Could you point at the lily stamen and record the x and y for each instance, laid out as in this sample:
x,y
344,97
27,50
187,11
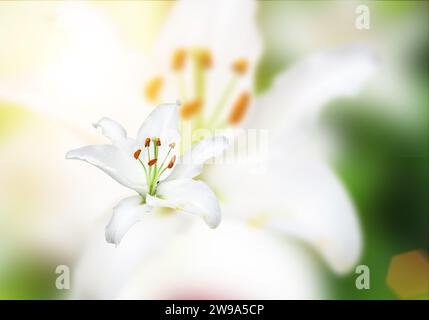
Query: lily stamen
x,y
137,154
204,57
240,66
190,108
152,162
152,88
239,108
220,105
171,163
137,157
178,59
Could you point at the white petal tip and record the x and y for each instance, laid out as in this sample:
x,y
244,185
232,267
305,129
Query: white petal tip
x,y
97,124
110,238
69,155
213,222
214,225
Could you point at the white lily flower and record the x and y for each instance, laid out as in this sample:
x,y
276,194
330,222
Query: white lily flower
x,y
307,200
216,86
148,166
234,262
212,70
210,51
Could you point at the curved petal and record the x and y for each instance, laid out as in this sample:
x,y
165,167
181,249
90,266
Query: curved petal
x,y
143,242
235,262
298,196
191,163
319,211
299,94
162,122
125,214
116,134
187,195
117,164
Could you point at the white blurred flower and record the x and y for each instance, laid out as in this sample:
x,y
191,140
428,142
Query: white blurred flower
x,y
206,56
203,46
300,195
209,62
175,257
158,183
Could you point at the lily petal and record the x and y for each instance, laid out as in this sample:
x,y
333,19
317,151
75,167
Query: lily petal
x,y
298,196
144,241
162,122
299,94
126,213
116,134
247,264
190,196
116,163
191,163
319,211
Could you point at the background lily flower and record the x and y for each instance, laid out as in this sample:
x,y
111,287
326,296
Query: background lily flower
x,y
303,197
289,110
185,268
87,61
212,71
153,173
206,55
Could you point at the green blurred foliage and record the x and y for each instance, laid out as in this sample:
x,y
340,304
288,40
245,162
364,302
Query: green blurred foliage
x,y
27,276
385,168
12,117
383,160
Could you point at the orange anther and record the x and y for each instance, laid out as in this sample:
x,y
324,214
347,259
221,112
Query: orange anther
x,y
239,108
204,57
240,66
178,59
190,108
152,88
171,163
152,162
137,154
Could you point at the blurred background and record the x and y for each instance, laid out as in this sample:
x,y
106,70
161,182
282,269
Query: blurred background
x,y
47,207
